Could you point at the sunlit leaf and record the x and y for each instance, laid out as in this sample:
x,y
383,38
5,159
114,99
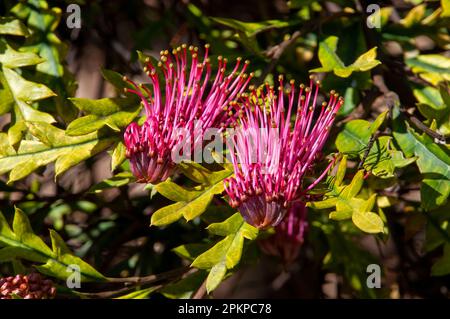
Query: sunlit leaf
x,y
21,242
52,71
253,28
53,145
116,113
215,276
434,68
433,161
368,222
190,202
11,58
121,179
11,26
331,62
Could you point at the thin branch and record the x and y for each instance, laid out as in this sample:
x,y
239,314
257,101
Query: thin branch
x,y
275,54
419,125
132,282
201,292
152,278
391,97
111,293
372,140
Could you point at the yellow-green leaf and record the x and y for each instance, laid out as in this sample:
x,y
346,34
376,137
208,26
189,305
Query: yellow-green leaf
x,y
368,222
215,276
13,26
21,242
11,58
331,62
167,215
115,113
118,155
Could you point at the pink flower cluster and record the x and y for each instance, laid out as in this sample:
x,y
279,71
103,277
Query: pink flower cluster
x,y
263,189
271,154
183,103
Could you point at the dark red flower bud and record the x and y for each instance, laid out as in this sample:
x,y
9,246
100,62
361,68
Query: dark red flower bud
x,y
31,286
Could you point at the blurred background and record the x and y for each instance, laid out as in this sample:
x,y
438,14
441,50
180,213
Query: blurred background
x,y
111,229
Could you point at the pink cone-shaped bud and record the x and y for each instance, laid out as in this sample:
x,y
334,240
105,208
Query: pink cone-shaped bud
x,y
289,235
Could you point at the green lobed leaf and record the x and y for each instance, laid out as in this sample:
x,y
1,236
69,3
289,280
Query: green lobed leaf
x,y
414,16
53,145
118,180
20,94
433,68
11,58
253,28
233,225
191,251
435,105
343,198
21,242
229,249
26,91
115,113
445,5
118,155
331,62
202,175
353,138
226,253
53,71
6,97
368,222
215,276
433,161
186,287
11,26
382,159
190,202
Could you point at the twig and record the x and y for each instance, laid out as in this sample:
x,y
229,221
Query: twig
x,y
132,282
419,125
275,53
391,97
152,278
111,293
201,292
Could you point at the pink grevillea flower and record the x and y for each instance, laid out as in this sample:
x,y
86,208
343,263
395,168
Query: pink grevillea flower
x,y
289,234
270,157
186,102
